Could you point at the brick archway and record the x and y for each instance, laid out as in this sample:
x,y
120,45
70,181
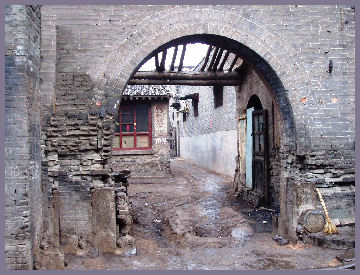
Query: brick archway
x,y
274,61
272,58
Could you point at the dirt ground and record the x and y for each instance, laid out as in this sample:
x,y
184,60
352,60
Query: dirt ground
x,y
193,222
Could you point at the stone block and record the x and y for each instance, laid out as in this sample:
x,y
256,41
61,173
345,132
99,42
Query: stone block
x,y
93,157
104,219
48,259
314,221
126,241
70,244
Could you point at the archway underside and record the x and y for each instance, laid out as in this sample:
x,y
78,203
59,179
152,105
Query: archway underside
x,y
220,66
212,72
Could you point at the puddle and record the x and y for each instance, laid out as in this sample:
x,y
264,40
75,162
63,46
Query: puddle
x,y
241,234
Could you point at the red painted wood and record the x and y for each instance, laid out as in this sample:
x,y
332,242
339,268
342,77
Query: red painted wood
x,y
121,134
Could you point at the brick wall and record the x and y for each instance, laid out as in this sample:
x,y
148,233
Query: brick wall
x,y
298,43
253,85
22,135
290,47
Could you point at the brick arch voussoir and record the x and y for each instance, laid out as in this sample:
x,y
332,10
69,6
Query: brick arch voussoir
x,y
130,52
166,25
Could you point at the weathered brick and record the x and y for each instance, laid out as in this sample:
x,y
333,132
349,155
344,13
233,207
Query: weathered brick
x,y
80,43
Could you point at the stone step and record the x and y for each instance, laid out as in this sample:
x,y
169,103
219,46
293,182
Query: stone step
x,y
344,240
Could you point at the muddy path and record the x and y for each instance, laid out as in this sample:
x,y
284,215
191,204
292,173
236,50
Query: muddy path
x,y
193,222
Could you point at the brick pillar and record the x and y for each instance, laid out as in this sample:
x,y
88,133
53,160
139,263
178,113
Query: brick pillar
x,y
22,134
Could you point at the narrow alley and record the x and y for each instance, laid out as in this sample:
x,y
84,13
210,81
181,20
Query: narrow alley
x,y
193,222
107,107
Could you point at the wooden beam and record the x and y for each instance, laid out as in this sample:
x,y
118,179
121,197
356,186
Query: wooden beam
x,y
233,63
224,60
206,58
213,82
182,58
162,63
213,58
173,58
216,63
157,62
187,75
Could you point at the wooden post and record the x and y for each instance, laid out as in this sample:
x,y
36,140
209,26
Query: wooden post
x,y
182,58
206,58
163,58
213,59
173,58
224,60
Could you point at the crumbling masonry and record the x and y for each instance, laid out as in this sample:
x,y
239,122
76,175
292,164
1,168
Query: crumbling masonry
x,y
66,68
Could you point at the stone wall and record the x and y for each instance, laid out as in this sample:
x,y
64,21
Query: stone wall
x,y
23,213
74,153
77,173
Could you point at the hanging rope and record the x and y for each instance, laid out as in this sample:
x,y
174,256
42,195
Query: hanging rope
x,y
329,228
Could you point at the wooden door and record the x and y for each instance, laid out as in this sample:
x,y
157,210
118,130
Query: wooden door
x,y
259,157
249,148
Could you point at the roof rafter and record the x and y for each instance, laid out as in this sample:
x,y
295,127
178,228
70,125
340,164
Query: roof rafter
x,y
209,74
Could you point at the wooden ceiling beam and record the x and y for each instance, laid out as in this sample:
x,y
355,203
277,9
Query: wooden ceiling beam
x,y
174,58
233,63
213,58
216,63
187,75
163,59
211,82
206,58
182,58
221,67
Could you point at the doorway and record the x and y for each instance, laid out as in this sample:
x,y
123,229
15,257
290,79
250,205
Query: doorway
x,y
257,149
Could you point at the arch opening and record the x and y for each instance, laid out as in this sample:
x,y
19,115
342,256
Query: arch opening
x,y
253,60
251,64
254,102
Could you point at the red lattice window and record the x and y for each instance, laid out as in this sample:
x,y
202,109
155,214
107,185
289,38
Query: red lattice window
x,y
133,129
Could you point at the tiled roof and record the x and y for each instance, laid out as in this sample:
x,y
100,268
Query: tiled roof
x,y
146,90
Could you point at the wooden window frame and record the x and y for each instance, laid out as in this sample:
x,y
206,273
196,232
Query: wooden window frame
x,y
135,133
